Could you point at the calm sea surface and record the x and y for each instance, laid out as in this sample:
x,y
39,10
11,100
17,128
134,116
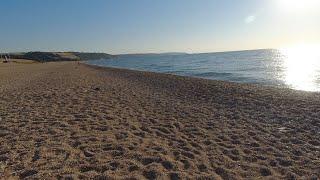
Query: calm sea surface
x,y
295,70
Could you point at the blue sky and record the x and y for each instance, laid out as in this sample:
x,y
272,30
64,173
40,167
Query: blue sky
x,y
137,26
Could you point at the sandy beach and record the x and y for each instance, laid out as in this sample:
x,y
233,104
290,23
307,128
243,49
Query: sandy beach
x,y
67,120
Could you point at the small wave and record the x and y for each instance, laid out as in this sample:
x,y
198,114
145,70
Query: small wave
x,y
174,72
213,74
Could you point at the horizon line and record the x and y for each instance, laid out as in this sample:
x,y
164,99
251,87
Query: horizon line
x,y
142,53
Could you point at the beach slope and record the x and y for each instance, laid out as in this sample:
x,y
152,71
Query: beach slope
x,y
71,120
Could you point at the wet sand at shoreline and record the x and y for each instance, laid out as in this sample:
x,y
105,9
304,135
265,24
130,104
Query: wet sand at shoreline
x,y
70,120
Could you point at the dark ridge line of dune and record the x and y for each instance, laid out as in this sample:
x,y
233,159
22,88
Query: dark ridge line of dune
x,y
60,56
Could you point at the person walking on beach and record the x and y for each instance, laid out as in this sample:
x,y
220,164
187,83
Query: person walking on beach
x,y
5,59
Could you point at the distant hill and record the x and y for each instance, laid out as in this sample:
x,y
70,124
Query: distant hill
x,y
92,56
155,54
61,56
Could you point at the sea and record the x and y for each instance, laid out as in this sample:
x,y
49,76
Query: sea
x,y
269,67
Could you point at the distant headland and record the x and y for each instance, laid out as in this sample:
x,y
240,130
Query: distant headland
x,y
59,56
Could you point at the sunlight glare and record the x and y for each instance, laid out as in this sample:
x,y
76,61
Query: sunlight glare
x,y
298,6
302,66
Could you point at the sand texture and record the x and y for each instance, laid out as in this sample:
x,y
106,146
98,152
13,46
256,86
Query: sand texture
x,y
68,120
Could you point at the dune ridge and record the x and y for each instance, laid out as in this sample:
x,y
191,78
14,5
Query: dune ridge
x,y
59,56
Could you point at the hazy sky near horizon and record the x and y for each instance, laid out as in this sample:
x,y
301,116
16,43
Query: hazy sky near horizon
x,y
138,26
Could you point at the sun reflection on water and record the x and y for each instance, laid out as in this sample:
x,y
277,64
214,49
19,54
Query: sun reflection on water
x,y
302,67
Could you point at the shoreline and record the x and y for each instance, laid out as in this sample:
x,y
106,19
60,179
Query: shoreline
x,y
255,85
76,120
286,87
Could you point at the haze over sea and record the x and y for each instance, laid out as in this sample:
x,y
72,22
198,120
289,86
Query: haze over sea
x,y
295,68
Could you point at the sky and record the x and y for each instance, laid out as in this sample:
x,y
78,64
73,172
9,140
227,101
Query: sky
x,y
144,26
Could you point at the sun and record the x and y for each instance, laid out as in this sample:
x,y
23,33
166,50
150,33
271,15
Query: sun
x,y
298,6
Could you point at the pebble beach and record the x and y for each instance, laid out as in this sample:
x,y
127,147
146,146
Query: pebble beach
x,y
69,120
